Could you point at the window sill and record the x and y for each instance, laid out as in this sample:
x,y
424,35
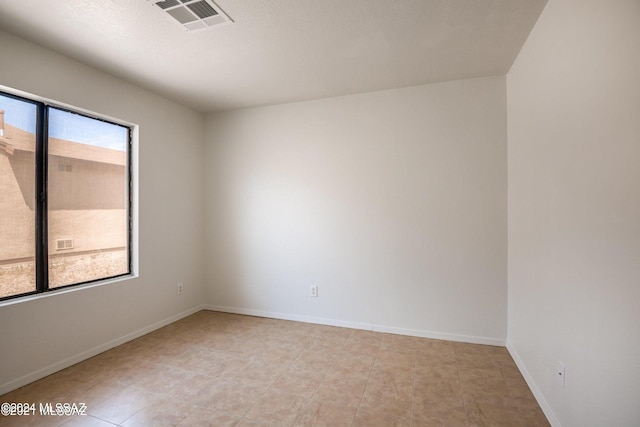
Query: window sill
x,y
33,297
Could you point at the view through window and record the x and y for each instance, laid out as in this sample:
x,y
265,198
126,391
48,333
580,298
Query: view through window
x,y
79,229
17,193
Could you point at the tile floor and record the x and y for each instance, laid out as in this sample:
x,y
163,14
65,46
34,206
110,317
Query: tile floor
x,y
217,369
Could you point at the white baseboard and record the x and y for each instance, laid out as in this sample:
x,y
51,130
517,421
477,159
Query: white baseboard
x,y
58,366
544,405
356,325
440,335
286,316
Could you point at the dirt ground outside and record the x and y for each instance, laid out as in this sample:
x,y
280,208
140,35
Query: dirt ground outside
x,y
18,278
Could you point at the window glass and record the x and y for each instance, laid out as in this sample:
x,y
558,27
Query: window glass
x,y
88,193
17,196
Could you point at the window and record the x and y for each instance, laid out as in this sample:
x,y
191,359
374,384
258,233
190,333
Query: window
x,y
65,193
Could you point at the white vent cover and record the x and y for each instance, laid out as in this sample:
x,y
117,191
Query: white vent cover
x,y
193,14
62,244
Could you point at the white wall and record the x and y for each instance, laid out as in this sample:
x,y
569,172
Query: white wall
x,y
37,337
393,203
574,210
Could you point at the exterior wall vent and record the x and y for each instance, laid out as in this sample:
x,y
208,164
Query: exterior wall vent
x,y
65,167
193,14
62,244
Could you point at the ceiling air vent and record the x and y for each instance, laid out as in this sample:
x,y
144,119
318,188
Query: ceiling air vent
x,y
193,14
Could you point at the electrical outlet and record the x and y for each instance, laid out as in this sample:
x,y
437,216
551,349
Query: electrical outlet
x,y
179,288
562,374
314,291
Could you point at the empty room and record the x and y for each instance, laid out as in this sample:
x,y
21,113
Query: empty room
x,y
320,213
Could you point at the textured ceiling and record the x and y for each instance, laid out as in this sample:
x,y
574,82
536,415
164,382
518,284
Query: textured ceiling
x,y
281,50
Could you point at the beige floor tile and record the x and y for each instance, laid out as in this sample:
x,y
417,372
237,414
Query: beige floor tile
x,y
20,395
361,348
346,391
326,349
298,382
252,423
358,366
197,358
226,364
127,374
123,405
53,389
97,394
367,417
431,346
466,374
399,343
162,413
282,353
313,361
503,359
219,341
484,387
218,369
74,373
86,421
526,402
365,337
395,360
511,372
201,417
534,417
433,390
231,397
490,415
436,373
32,421
490,410
392,398
259,370
475,356
443,411
277,408
192,390
471,361
434,358
163,378
322,413
392,374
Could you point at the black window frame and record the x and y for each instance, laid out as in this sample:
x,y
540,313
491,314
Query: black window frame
x,y
41,195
